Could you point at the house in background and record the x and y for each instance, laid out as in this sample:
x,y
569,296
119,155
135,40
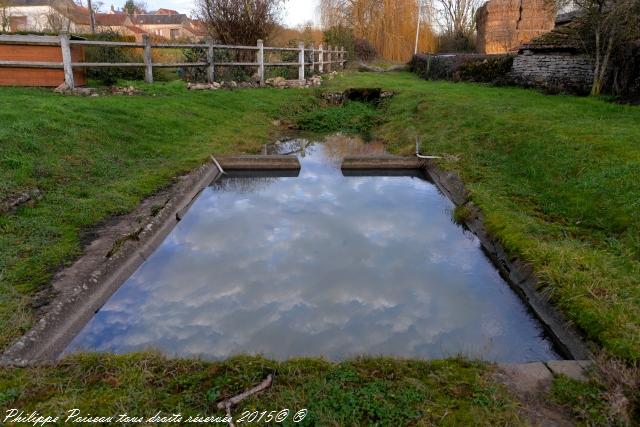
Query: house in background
x,y
42,16
163,11
64,15
168,26
117,22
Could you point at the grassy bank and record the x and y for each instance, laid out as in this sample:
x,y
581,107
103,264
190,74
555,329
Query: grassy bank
x,y
557,177
362,392
95,157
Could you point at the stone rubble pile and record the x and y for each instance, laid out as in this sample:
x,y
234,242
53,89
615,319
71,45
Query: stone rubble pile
x,y
277,82
16,200
90,91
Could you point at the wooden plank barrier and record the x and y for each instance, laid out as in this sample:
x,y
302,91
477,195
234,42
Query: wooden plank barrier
x,y
48,60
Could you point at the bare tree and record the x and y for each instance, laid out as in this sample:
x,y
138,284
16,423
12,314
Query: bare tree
x,y
334,13
240,21
5,15
607,25
58,17
456,17
92,17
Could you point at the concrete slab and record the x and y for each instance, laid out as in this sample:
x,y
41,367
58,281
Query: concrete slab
x,y
382,162
230,163
572,368
527,378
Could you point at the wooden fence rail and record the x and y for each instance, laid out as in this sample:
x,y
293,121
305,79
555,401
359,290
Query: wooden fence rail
x,y
321,59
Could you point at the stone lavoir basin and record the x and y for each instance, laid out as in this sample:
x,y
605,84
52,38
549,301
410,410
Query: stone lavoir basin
x,y
319,264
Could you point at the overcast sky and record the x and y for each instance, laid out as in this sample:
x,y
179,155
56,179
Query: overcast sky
x,y
296,12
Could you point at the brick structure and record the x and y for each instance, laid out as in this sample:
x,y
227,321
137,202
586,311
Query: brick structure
x,y
503,25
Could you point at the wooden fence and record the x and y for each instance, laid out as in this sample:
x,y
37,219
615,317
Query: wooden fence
x,y
319,59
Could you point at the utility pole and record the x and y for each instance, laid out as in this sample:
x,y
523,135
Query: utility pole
x,y
92,18
415,52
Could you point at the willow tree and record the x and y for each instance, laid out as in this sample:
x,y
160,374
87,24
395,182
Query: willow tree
x,y
389,25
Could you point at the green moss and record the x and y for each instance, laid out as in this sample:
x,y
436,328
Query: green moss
x,y
461,214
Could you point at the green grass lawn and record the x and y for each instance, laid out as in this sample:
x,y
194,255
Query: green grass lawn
x,y
360,392
558,179
95,157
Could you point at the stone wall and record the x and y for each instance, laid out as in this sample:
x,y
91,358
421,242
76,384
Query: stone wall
x,y
557,72
503,25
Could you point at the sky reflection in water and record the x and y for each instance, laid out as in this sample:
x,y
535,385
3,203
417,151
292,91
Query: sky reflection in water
x,y
318,265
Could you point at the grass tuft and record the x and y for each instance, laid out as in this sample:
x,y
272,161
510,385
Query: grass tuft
x,y
365,391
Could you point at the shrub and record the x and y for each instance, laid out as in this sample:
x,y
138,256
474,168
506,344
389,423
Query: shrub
x,y
624,79
448,43
340,35
489,70
463,67
195,74
109,76
364,50
199,74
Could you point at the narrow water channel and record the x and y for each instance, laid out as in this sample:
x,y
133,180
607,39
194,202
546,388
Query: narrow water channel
x,y
319,265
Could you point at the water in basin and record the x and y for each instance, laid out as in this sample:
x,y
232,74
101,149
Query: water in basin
x,y
319,265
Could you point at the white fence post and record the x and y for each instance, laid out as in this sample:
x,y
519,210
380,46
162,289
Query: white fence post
x,y
66,59
301,61
211,68
261,61
341,56
329,59
321,59
148,64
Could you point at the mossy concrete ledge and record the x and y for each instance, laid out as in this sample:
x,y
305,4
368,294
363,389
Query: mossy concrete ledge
x,y
381,162
120,247
516,272
243,163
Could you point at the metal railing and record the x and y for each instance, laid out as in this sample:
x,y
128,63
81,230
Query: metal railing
x,y
321,59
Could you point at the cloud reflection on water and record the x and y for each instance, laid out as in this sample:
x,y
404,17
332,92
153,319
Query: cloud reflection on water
x,y
317,265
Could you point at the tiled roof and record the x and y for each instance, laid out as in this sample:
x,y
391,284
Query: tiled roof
x,y
163,11
111,19
565,18
159,19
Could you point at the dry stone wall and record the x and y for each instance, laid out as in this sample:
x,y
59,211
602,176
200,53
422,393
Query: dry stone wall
x,y
557,72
